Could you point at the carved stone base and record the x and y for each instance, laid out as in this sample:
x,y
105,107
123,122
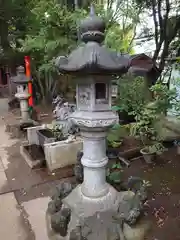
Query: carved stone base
x,y
114,216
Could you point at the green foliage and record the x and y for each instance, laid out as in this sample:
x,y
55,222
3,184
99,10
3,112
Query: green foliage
x,y
164,98
52,33
57,132
115,144
132,94
145,127
119,39
116,134
14,19
114,173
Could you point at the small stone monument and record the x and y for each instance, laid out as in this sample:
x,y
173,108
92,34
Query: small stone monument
x,y
94,209
22,94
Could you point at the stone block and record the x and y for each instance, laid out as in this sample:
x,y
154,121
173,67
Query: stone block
x,y
32,135
32,163
62,154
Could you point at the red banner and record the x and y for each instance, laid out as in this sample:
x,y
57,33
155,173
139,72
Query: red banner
x,y
28,74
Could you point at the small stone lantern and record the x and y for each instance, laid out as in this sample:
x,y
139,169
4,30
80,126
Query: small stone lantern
x,y
94,68
22,93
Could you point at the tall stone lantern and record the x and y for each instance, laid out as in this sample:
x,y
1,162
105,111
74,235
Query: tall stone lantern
x,y
94,68
22,94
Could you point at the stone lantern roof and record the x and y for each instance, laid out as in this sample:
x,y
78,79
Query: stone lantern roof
x,y
92,57
20,78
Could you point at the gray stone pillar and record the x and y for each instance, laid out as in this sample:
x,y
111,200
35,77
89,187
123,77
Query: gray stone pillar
x,y
22,93
23,98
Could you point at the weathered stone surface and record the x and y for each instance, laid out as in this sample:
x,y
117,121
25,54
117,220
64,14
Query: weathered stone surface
x,y
35,210
119,211
32,163
78,168
4,185
137,232
58,215
105,225
62,154
60,221
11,226
32,135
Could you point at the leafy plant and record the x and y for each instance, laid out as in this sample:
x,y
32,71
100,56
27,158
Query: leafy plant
x,y
57,132
114,173
115,144
157,148
132,94
116,134
145,127
164,98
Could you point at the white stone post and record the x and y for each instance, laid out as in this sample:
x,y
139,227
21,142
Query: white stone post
x,y
23,98
22,93
94,162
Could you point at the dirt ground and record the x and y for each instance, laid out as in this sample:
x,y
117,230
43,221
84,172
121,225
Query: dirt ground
x,y
163,206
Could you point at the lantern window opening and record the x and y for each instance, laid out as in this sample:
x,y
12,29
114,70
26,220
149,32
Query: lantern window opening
x,y
101,93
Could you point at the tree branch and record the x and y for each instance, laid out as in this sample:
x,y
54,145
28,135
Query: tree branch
x,y
155,20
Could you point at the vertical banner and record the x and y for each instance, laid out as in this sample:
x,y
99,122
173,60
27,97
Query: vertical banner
x,y
28,74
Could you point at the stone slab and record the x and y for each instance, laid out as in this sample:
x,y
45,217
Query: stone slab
x,y
36,210
3,106
31,163
20,175
32,135
39,191
12,224
62,154
4,185
1,166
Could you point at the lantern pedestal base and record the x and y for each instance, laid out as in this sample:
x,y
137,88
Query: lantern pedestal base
x,y
79,217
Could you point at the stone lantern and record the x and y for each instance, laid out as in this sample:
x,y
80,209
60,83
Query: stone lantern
x,y
22,94
94,68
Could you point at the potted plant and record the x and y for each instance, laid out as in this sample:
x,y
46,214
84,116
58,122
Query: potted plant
x,y
149,152
146,130
50,134
146,126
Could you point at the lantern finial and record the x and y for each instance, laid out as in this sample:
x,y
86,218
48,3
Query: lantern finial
x,y
92,28
92,10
